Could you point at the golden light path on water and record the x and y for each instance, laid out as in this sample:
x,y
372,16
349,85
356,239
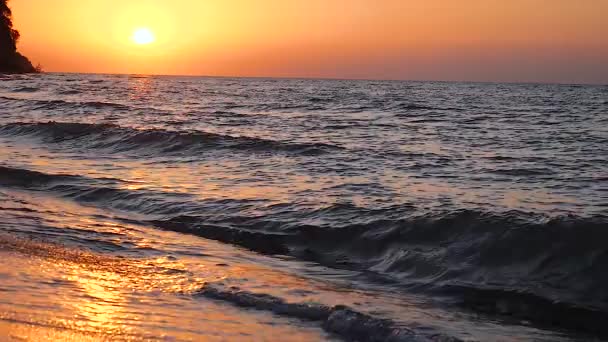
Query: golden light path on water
x,y
61,294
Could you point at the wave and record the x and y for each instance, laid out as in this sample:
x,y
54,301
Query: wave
x,y
529,266
27,178
412,106
340,320
523,172
531,308
26,90
106,192
114,138
62,104
259,241
70,92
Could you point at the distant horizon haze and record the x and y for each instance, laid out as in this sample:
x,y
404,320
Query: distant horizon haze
x,y
521,41
599,84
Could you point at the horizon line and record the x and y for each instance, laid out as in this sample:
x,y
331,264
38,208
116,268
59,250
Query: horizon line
x,y
603,84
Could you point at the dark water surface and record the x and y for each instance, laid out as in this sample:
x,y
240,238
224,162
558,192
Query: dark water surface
x,y
170,207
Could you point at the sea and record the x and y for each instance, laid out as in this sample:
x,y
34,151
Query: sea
x,y
138,207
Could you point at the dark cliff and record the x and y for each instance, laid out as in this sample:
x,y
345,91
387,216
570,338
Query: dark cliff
x,y
10,59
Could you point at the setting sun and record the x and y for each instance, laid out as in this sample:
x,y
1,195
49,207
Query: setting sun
x,y
143,36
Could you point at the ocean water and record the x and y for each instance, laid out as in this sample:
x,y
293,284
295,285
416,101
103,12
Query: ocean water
x,y
190,208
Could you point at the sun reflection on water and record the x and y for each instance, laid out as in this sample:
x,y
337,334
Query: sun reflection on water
x,y
70,294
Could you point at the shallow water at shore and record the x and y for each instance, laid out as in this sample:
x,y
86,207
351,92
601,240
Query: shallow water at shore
x,y
74,271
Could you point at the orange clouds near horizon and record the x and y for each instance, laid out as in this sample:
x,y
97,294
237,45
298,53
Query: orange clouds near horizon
x,y
476,40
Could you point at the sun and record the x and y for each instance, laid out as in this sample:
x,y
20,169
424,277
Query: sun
x,y
143,36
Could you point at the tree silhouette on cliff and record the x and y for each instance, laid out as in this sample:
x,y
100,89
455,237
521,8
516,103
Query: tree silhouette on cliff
x,y
10,59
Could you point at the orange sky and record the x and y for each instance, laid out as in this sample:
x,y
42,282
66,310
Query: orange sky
x,y
485,40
